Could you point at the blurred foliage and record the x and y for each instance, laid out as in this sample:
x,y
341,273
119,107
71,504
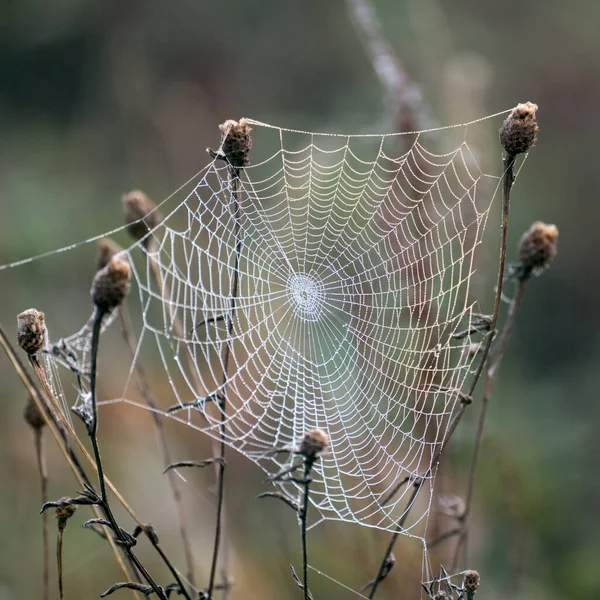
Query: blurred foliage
x,y
99,97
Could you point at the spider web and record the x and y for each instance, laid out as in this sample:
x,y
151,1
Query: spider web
x,y
354,260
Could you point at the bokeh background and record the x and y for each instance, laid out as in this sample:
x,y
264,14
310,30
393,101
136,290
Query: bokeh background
x,y
97,98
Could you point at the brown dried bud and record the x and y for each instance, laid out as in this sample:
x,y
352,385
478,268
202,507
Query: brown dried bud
x,y
141,216
236,143
64,513
32,415
107,248
31,330
537,248
471,581
518,132
313,443
111,284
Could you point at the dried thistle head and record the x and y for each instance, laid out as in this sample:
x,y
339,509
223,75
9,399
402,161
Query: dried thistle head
x,y
31,330
314,442
519,130
236,142
64,513
111,284
141,216
537,249
33,416
471,581
107,248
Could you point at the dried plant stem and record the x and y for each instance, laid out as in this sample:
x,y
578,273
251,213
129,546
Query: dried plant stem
x,y
39,453
59,547
303,521
40,373
93,434
490,378
235,193
508,180
44,401
400,525
146,392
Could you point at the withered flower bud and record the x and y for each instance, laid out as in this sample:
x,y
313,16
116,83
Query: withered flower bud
x,y
107,248
64,513
313,443
32,415
471,581
518,132
111,284
236,143
537,248
31,330
141,216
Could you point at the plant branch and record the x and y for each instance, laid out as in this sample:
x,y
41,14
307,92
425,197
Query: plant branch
x,y
490,378
236,197
508,180
93,431
146,392
39,453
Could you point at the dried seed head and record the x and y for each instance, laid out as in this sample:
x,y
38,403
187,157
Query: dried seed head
x,y
111,284
471,581
141,216
64,513
32,415
518,132
107,248
31,330
313,443
537,248
236,142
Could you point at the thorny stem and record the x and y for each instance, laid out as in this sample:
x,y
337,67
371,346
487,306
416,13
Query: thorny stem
x,y
44,398
235,193
146,392
490,378
39,453
508,180
93,430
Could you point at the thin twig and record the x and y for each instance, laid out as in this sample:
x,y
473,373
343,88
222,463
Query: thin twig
x,y
508,180
93,431
303,520
399,527
39,453
490,378
146,392
235,193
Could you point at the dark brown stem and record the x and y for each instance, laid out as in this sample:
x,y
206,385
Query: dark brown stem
x,y
59,547
93,434
508,180
146,392
303,521
236,197
399,526
39,453
490,378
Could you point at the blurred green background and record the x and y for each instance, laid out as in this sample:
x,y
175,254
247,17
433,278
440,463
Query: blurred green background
x,y
99,97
